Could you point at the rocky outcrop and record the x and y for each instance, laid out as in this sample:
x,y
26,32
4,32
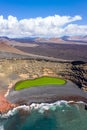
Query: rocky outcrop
x,y
77,72
5,105
14,70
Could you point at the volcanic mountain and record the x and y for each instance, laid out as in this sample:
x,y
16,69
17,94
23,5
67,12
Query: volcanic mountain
x,y
8,48
65,48
79,39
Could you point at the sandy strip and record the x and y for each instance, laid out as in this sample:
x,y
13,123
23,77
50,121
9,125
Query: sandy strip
x,y
9,87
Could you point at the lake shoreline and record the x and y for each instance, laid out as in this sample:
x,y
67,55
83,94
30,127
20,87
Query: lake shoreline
x,y
29,69
47,94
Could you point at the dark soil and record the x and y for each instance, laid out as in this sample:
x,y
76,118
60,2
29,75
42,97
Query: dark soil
x,y
61,51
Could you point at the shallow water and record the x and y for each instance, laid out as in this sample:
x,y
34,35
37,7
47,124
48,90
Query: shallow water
x,y
56,116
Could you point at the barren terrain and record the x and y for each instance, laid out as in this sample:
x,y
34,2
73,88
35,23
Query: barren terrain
x,y
32,59
14,70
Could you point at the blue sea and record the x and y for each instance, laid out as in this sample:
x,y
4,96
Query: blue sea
x,y
56,116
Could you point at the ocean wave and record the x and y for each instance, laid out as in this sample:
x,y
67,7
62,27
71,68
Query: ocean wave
x,y
1,127
42,107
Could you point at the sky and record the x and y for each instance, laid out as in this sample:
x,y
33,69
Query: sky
x,y
44,18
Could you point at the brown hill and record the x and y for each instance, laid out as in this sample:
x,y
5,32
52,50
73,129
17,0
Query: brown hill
x,y
7,48
49,40
56,40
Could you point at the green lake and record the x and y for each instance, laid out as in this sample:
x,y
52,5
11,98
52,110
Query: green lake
x,y
42,81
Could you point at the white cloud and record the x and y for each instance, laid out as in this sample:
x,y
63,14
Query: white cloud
x,y
49,26
74,29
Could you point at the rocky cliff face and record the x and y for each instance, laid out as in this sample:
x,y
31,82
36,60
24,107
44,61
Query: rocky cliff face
x,y
14,70
5,105
76,72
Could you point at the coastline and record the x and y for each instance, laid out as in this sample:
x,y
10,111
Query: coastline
x,y
48,94
5,105
44,107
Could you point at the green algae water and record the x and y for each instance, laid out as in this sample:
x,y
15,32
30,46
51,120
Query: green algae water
x,y
38,82
57,116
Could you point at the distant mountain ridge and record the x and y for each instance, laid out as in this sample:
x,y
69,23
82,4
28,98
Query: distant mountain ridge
x,y
63,39
75,38
65,48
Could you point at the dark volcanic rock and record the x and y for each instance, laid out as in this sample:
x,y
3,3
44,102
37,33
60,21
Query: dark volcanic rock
x,y
61,51
48,93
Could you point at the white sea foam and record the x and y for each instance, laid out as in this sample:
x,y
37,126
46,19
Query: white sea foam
x,y
1,127
42,107
14,111
80,102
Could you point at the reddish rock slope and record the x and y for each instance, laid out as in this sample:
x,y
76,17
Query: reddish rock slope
x,y
5,105
7,48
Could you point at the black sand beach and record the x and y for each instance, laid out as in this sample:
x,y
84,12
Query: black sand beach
x,y
48,94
